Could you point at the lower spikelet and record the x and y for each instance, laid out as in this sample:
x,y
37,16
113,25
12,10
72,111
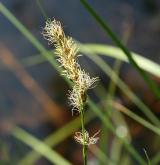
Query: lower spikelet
x,y
75,99
78,96
86,140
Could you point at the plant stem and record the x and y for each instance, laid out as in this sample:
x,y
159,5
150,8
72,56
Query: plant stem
x,y
84,137
151,84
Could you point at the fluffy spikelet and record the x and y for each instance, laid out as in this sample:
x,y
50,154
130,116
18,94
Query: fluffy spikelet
x,y
78,95
84,81
75,99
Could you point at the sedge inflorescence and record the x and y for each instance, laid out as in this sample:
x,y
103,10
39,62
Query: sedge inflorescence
x,y
67,51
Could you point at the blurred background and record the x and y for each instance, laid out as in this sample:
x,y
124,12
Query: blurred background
x,y
33,95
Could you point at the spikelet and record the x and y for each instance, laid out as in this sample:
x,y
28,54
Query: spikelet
x,y
77,96
86,140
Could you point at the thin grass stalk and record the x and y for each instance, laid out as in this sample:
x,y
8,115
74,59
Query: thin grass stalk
x,y
83,132
151,84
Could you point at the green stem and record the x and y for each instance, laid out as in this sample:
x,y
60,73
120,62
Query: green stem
x,y
153,86
84,137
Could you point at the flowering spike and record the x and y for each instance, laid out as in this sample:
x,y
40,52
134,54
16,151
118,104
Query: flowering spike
x,y
66,50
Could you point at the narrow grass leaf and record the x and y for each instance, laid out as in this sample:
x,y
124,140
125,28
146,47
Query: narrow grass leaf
x,y
153,86
39,146
115,52
137,118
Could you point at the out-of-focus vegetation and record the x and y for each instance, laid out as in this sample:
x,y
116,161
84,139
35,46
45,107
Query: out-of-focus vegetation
x,y
113,107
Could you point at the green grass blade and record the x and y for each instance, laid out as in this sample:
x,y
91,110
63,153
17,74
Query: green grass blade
x,y
153,86
39,147
137,118
117,53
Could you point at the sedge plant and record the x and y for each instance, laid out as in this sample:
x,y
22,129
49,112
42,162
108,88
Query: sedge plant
x,y
67,51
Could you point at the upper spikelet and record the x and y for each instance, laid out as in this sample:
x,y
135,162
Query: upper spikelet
x,y
53,31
